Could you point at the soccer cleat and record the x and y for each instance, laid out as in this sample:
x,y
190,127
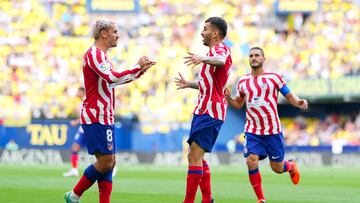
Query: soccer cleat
x,y
294,173
72,172
68,199
114,171
261,201
212,201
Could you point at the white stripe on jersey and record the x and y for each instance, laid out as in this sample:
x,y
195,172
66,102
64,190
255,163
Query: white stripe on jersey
x,y
209,105
93,111
101,114
106,98
256,117
262,112
210,80
86,117
218,109
277,128
201,99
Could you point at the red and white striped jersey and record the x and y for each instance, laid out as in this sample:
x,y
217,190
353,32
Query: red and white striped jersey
x,y
261,95
212,82
100,80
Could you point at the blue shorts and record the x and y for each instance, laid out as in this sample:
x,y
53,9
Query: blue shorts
x,y
99,138
265,145
204,131
79,137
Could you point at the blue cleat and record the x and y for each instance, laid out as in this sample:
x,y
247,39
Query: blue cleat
x,y
68,199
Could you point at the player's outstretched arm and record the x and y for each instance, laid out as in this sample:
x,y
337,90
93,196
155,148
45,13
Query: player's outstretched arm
x,y
193,60
296,101
182,83
237,103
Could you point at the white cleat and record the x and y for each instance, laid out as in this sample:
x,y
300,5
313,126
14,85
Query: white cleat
x,y
114,171
74,172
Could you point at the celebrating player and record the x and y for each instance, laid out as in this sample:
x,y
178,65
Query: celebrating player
x,y
97,113
262,129
210,111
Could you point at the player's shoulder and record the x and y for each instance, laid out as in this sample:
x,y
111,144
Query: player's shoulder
x,y
244,78
221,47
273,74
93,51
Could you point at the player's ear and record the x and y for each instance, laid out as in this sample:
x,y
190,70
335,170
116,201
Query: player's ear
x,y
103,33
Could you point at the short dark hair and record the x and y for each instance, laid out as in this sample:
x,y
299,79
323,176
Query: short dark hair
x,y
258,48
219,23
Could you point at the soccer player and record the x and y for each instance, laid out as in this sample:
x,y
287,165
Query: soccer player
x,y
97,113
262,129
209,114
78,141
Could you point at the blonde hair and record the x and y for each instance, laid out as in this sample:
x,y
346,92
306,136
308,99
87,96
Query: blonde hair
x,y
101,24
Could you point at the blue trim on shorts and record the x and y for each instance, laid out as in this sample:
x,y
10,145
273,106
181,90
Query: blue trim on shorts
x,y
204,131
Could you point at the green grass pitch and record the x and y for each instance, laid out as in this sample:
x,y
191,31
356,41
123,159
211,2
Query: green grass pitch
x,y
155,184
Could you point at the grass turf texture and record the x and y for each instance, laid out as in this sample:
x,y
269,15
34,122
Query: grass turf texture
x,y
155,184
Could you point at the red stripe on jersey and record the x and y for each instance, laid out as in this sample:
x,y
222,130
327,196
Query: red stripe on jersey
x,y
262,126
271,129
250,92
214,109
223,109
90,115
273,107
253,120
257,86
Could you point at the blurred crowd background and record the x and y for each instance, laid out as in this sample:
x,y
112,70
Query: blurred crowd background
x,y
42,43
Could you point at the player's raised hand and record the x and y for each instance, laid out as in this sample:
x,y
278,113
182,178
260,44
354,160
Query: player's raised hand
x,y
303,104
227,93
192,60
145,63
142,61
181,83
148,64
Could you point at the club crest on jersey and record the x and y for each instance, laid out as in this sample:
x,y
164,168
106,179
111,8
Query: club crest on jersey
x,y
110,147
263,86
105,66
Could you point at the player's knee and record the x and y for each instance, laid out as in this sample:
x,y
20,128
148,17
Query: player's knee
x,y
277,168
252,162
194,159
106,163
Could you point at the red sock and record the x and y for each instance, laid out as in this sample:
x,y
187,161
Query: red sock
x,y
192,182
105,189
205,183
87,180
287,166
255,180
74,160
83,184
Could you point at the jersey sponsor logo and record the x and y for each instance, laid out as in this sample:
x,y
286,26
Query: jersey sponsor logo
x,y
105,66
257,101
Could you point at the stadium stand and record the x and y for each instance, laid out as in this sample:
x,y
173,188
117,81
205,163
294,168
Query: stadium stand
x,y
42,42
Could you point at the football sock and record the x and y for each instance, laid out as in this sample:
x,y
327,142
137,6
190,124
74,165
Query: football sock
x,y
255,180
87,180
205,183
74,159
192,182
287,166
105,187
